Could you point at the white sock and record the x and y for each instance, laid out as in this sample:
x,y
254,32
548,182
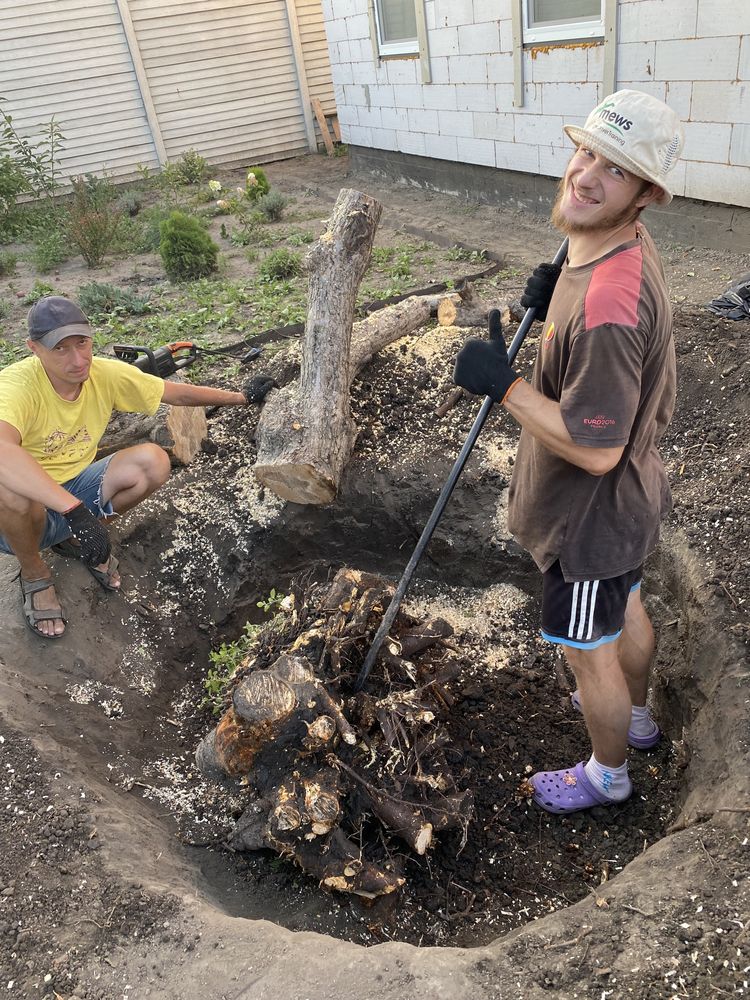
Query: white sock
x,y
610,781
641,723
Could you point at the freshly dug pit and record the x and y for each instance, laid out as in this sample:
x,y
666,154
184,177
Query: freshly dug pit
x,y
512,715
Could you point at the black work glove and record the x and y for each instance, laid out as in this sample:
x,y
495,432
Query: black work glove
x,y
91,533
539,289
482,365
257,388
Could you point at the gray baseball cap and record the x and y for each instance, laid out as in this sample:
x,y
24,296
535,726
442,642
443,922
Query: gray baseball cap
x,y
53,318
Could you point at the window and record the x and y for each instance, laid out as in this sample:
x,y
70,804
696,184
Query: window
x,y
396,24
562,20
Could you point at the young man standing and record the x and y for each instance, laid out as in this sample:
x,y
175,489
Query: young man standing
x,y
54,409
589,487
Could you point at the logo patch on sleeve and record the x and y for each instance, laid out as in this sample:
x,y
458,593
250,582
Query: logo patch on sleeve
x,y
599,421
549,334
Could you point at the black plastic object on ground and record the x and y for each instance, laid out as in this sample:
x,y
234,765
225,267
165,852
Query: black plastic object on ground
x,y
735,301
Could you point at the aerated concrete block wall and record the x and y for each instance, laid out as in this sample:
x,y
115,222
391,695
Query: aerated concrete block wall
x,y
694,54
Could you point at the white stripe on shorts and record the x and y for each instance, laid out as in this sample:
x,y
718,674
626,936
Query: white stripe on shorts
x,y
583,612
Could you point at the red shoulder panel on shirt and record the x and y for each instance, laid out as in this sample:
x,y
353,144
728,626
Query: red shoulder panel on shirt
x,y
614,290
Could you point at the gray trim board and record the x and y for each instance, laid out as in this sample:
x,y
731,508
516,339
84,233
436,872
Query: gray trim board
x,y
695,223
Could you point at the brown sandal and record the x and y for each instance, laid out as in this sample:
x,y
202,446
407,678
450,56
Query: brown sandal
x,y
32,615
104,576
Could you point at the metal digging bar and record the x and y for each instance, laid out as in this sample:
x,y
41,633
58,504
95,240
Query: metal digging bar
x,y
442,500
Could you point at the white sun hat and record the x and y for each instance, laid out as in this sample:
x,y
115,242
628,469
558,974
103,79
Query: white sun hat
x,y
637,132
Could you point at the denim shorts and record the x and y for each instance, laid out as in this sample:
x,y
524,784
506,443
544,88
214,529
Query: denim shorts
x,y
86,486
588,613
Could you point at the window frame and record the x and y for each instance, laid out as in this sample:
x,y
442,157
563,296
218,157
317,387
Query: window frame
x,y
566,32
405,47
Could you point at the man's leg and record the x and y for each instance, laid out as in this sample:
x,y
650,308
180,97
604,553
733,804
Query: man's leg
x,y
22,524
134,474
635,648
605,700
131,475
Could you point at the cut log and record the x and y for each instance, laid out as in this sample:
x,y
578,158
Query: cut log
x,y
179,430
467,309
299,458
306,432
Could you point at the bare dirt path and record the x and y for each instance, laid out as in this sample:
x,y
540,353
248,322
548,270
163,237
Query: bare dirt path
x,y
99,899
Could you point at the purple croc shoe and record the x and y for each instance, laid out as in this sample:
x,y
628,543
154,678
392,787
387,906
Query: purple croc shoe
x,y
567,791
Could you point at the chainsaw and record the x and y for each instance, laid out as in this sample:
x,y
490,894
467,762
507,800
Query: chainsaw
x,y
169,359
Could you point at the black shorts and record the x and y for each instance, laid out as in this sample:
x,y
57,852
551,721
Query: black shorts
x,y
587,613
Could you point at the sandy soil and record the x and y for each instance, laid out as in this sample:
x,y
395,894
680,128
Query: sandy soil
x,y
103,891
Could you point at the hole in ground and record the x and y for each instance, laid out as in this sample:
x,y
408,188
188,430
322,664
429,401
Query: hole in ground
x,y
512,717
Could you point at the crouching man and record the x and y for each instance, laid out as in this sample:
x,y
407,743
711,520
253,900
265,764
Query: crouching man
x,y
54,409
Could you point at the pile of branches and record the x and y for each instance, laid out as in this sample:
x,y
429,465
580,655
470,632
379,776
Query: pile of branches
x,y
341,781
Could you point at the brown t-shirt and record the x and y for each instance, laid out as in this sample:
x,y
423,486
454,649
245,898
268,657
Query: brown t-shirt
x,y
606,354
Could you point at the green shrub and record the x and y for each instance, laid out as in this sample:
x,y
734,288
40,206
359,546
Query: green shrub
x,y
93,219
49,251
8,263
37,160
272,205
38,290
186,248
151,220
256,183
250,233
135,235
5,309
131,202
12,184
191,168
99,299
280,264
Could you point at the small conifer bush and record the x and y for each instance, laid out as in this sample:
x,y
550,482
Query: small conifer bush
x,y
256,183
186,249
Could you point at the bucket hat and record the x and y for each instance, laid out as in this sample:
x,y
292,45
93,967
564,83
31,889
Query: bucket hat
x,y
637,132
53,318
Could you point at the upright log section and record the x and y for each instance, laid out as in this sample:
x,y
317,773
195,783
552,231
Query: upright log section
x,y
306,433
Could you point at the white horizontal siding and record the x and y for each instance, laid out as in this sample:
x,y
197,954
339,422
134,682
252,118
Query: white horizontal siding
x,y
315,51
222,77
69,59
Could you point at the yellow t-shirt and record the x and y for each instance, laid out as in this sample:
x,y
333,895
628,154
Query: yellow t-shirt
x,y
63,435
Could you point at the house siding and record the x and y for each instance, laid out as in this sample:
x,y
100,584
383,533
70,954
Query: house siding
x,y
693,54
133,82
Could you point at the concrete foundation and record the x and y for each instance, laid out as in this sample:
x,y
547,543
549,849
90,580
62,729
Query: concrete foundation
x,y
685,221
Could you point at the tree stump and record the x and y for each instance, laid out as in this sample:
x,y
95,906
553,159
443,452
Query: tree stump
x,y
314,763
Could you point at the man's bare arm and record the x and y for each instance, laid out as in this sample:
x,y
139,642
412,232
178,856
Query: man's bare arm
x,y
185,394
542,418
22,475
